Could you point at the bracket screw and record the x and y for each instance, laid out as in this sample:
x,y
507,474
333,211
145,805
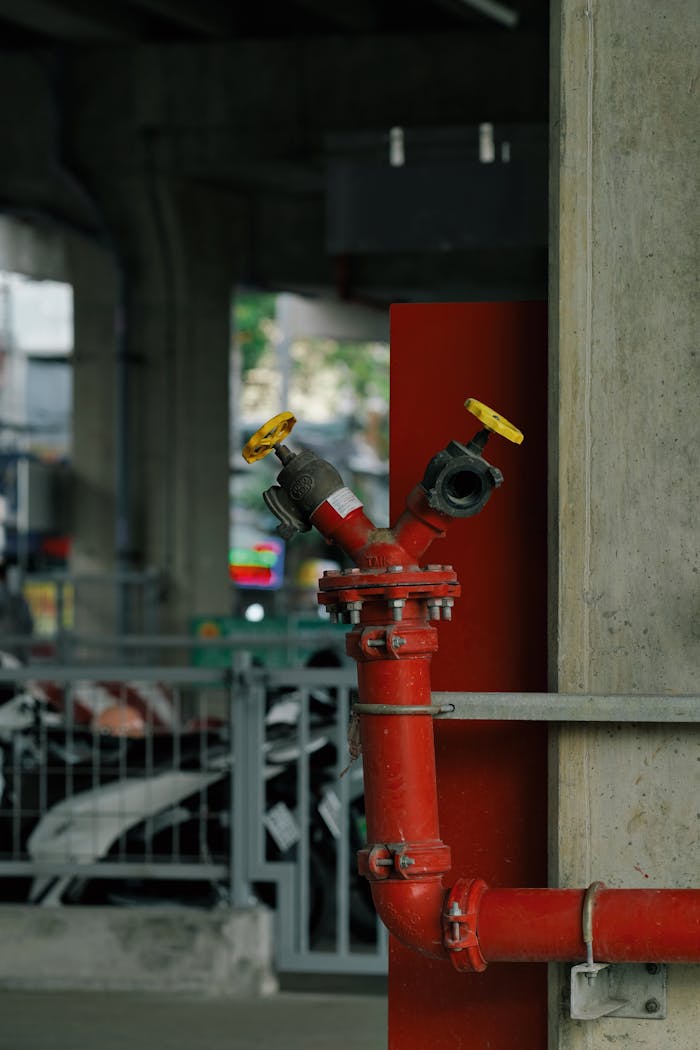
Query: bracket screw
x,y
652,968
652,1006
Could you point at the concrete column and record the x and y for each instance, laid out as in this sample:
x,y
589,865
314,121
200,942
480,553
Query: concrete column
x,y
626,424
180,418
176,244
91,272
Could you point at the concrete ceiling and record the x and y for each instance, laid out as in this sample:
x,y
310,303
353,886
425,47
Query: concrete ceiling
x,y
29,22
262,103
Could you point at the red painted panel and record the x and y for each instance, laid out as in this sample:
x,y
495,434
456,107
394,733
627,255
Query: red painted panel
x,y
491,776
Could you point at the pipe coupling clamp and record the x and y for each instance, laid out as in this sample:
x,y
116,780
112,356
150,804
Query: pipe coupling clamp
x,y
460,925
404,860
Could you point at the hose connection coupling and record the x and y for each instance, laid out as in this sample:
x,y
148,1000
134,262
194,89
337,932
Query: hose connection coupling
x,y
460,925
305,483
459,481
404,860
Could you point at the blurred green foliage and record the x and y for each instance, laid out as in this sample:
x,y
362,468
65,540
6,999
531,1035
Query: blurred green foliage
x,y
253,321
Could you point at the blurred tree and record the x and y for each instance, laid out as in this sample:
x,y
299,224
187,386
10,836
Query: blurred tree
x,y
253,326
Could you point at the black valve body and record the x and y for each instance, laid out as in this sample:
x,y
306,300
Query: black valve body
x,y
459,481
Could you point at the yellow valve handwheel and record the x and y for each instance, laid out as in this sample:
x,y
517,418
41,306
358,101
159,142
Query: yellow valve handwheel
x,y
270,434
493,421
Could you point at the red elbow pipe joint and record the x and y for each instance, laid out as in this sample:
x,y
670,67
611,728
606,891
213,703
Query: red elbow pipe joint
x,y
407,890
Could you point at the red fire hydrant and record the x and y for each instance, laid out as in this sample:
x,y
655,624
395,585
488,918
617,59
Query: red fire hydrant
x,y
392,603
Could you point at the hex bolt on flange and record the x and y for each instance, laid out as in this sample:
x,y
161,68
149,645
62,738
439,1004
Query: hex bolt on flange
x,y
455,910
652,1006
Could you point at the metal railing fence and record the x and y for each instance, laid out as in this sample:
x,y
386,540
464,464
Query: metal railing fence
x,y
107,780
193,785
326,922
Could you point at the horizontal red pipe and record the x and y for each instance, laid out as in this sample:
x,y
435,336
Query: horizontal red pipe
x,y
545,925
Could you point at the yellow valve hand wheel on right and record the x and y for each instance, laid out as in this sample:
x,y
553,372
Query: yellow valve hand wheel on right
x,y
493,421
268,437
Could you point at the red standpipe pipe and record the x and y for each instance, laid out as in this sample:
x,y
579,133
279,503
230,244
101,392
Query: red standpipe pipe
x,y
545,925
401,796
398,753
419,524
351,533
367,545
508,925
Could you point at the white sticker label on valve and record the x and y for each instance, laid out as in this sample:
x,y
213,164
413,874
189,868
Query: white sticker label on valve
x,y
343,502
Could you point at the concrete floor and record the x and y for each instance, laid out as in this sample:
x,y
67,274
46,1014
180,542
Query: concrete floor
x,y
128,1021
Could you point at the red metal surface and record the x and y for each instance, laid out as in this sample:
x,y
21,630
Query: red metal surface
x,y
628,925
369,547
398,753
351,532
401,790
491,776
390,601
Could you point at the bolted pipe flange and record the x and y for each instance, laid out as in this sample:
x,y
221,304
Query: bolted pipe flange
x,y
353,609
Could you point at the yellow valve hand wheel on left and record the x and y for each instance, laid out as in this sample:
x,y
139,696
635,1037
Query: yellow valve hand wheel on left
x,y
268,437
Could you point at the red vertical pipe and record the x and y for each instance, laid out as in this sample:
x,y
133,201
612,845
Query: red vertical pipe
x,y
398,753
401,793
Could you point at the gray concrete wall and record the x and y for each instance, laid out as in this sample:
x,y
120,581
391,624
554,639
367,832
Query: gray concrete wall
x,y
159,949
92,275
36,251
625,415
